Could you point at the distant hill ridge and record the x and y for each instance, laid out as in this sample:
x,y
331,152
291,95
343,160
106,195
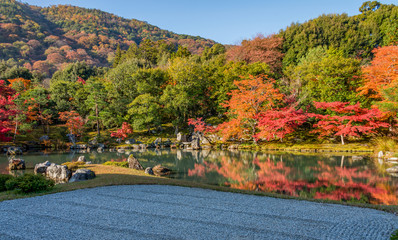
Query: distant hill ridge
x,y
45,39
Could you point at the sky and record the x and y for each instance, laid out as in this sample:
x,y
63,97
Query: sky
x,y
225,21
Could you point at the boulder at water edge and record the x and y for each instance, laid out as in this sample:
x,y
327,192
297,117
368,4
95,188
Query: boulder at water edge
x,y
41,168
159,170
16,164
134,163
82,175
392,169
149,171
58,173
81,159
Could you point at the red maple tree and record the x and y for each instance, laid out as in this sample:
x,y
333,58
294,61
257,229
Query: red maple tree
x,y
276,124
347,120
7,110
73,121
123,132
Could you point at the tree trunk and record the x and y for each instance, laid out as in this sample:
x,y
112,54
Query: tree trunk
x,y
96,114
342,139
16,128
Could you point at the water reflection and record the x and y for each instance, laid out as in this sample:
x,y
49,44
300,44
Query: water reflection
x,y
346,178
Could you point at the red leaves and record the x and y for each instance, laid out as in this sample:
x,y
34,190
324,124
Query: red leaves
x,y
347,120
276,124
123,132
81,80
7,110
200,125
73,121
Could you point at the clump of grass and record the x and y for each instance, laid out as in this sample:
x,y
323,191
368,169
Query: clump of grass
x,y
119,164
73,166
385,144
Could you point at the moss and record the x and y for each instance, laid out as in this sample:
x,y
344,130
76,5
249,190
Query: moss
x,y
73,166
118,164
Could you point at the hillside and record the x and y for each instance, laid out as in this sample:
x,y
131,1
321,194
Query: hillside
x,y
45,39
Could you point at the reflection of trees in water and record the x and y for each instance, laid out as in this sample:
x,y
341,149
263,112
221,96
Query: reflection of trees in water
x,y
327,177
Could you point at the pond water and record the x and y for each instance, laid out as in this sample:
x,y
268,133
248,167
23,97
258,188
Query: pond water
x,y
336,177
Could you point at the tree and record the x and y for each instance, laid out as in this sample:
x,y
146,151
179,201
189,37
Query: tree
x,y
252,97
259,49
74,122
145,111
7,111
276,124
346,120
325,76
96,101
123,132
381,73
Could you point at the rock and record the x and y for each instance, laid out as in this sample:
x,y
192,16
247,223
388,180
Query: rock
x,y
357,158
392,169
41,168
100,149
44,138
101,145
149,171
14,151
82,175
159,170
58,173
134,163
120,150
183,138
81,159
380,154
143,146
16,164
195,144
130,141
157,141
79,146
233,146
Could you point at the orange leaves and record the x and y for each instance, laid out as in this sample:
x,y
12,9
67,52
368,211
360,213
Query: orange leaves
x,y
123,132
382,72
252,96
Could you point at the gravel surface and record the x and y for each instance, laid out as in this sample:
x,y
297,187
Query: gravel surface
x,y
169,212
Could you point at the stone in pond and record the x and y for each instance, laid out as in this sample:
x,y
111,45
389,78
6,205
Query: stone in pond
x,y
16,164
82,175
81,159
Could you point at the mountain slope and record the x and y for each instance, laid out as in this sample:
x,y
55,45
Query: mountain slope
x,y
45,39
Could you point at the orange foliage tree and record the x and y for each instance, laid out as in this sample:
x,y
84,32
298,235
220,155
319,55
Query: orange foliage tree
x,y
252,97
381,73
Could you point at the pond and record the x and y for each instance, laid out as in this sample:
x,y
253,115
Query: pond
x,y
320,176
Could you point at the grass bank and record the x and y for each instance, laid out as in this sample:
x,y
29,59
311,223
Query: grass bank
x,y
113,175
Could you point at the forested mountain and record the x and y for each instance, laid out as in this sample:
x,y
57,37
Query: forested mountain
x,y
45,39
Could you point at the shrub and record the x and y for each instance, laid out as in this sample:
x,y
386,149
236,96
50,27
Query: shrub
x,y
394,236
73,166
3,179
29,183
119,164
